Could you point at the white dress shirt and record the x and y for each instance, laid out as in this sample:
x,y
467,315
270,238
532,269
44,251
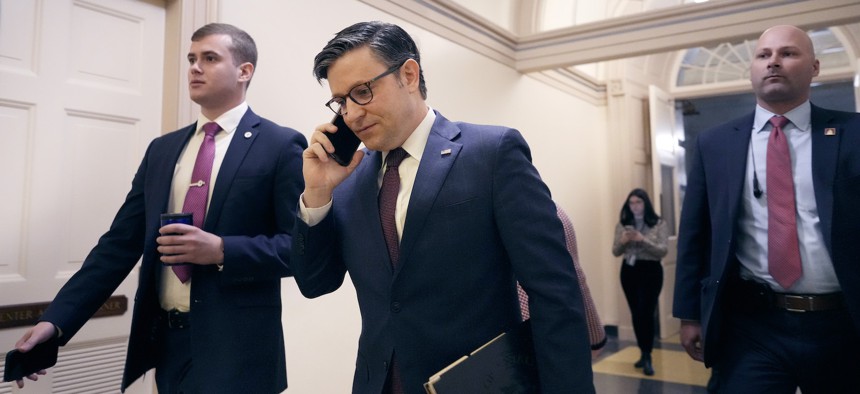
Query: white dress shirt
x,y
818,276
414,146
173,293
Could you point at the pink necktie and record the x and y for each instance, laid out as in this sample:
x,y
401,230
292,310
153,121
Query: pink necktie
x,y
198,190
783,256
387,204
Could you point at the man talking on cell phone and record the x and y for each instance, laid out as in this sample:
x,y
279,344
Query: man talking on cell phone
x,y
433,222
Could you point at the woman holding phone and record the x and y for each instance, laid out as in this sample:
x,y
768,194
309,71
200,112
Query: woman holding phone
x,y
641,237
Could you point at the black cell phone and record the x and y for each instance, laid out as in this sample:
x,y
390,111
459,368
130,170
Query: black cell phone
x,y
344,140
41,356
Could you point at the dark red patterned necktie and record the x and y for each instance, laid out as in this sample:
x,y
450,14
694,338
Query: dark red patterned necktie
x,y
783,251
388,202
387,205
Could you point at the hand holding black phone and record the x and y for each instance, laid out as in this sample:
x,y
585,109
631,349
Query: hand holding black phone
x,y
344,140
20,365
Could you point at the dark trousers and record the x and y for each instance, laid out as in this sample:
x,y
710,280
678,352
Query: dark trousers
x,y
770,350
174,361
642,284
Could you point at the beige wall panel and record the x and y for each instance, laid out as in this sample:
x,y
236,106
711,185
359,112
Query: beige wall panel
x,y
101,159
16,128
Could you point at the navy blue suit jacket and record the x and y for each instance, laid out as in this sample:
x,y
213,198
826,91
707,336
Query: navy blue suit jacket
x,y
236,311
479,215
707,239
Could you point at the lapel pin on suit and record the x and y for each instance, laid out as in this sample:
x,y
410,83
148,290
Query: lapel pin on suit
x,y
248,134
830,131
446,152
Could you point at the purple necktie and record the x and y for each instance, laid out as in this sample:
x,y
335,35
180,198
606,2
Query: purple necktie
x,y
198,190
387,204
783,251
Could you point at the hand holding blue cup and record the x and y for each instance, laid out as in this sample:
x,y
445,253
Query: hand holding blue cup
x,y
170,218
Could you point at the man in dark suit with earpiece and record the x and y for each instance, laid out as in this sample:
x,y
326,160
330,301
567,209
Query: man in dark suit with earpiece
x,y
768,280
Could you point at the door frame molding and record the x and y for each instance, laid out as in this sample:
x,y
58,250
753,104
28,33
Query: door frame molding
x,y
182,18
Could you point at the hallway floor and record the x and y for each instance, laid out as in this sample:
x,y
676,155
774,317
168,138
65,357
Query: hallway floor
x,y
675,372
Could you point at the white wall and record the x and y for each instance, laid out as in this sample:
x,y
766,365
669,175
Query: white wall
x,y
567,137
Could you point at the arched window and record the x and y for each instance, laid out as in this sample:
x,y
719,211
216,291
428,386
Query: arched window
x,y
729,62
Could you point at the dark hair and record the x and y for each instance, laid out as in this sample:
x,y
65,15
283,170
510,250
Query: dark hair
x,y
651,217
388,42
243,48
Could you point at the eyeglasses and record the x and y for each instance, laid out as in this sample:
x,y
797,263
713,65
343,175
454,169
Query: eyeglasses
x,y
361,94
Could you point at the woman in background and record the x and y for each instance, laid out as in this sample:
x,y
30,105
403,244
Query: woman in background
x,y
641,237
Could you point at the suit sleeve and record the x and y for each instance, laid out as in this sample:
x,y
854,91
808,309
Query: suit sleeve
x,y
534,239
693,242
317,265
107,264
262,256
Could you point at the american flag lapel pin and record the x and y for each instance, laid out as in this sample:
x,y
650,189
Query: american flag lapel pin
x,y
830,131
446,152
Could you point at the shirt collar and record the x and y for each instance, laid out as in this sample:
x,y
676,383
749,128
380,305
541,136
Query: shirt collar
x,y
800,117
414,145
228,121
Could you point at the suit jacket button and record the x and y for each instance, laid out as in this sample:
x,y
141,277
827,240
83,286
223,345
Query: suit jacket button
x,y
395,307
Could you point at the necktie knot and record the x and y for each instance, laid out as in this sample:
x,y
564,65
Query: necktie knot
x,y
211,128
395,157
778,121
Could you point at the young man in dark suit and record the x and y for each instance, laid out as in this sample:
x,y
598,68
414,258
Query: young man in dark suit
x,y
433,262
768,285
214,325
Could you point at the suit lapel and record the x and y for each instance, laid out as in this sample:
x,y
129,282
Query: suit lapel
x,y
166,166
246,133
163,159
737,142
367,182
439,156
825,149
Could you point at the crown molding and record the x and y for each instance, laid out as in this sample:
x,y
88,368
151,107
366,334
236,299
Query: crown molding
x,y
549,56
450,20
686,26
667,29
574,82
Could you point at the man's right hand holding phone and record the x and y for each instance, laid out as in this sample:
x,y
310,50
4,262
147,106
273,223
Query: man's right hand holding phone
x,y
322,173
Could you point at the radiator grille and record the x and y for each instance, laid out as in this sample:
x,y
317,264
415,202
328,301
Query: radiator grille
x,y
6,388
92,367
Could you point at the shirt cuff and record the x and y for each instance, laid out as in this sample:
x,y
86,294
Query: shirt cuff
x,y
312,216
600,344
